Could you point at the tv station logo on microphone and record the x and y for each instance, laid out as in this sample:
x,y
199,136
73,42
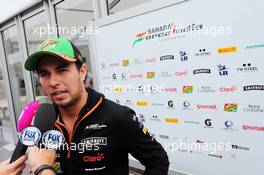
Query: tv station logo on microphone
x,y
53,139
30,136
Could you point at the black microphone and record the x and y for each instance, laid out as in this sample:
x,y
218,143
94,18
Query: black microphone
x,y
45,117
44,120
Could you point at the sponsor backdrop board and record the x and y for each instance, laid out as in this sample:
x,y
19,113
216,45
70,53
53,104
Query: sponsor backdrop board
x,y
193,73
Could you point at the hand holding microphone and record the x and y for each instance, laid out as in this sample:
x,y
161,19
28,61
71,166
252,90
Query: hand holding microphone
x,y
24,121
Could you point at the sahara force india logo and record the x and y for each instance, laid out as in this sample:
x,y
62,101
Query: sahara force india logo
x,y
166,31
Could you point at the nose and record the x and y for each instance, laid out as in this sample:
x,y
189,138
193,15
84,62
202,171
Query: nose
x,y
54,80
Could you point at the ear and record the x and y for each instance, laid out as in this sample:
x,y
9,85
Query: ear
x,y
83,71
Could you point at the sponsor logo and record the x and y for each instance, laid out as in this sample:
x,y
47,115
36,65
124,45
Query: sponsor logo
x,y
229,126
231,49
164,74
150,60
183,55
181,73
202,52
230,107
142,103
172,89
150,75
95,169
222,69
53,139
228,89
154,89
114,76
30,136
157,104
97,158
136,76
137,61
118,89
191,122
254,88
186,106
253,128
107,89
103,65
155,118
128,103
166,31
164,137
123,76
216,156
94,143
201,71
208,123
171,104
255,46
113,64
140,37
106,77
253,108
206,89
187,89
240,147
167,57
247,68
50,43
172,120
206,107
140,89
125,63
96,126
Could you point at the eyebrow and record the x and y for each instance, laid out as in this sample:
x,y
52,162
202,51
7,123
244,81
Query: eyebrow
x,y
60,66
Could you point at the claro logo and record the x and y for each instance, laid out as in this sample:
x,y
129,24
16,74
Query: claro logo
x,y
97,158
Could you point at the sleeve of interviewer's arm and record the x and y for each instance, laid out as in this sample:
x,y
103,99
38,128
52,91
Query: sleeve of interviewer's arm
x,y
143,147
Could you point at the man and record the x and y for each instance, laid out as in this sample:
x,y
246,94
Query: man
x,y
99,133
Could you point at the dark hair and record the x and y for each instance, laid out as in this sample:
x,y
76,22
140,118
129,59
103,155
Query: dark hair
x,y
78,64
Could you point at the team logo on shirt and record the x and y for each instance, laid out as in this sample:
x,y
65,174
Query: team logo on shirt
x,y
96,126
94,143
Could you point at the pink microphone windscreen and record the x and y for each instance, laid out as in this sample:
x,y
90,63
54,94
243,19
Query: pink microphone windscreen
x,y
27,115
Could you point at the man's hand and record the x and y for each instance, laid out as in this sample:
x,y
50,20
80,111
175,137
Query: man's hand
x,y
37,157
14,168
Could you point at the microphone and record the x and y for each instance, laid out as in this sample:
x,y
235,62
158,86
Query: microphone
x,y
27,115
24,121
44,116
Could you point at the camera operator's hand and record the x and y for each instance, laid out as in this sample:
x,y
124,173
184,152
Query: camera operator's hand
x,y
14,168
38,157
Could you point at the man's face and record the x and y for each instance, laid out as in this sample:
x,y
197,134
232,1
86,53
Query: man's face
x,y
61,81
